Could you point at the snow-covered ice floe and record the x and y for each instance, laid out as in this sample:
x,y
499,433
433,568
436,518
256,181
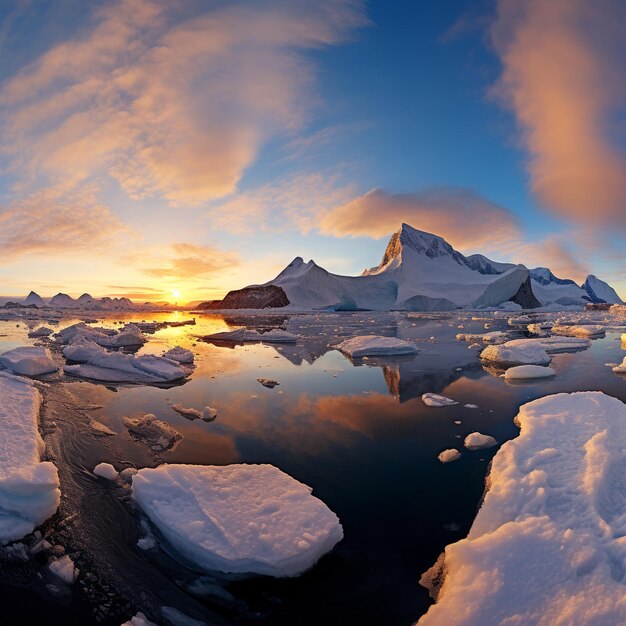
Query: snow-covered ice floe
x,y
238,518
449,455
478,441
621,368
156,434
29,488
374,345
586,331
527,372
434,399
29,361
129,336
180,355
494,336
106,470
504,354
64,568
96,363
243,335
42,331
547,545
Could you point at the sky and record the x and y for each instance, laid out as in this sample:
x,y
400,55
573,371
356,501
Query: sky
x,y
158,147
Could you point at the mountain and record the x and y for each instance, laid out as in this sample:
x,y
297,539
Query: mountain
x,y
418,272
34,298
599,291
62,301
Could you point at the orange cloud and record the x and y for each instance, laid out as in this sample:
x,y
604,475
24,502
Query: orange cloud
x,y
461,216
165,103
54,220
563,79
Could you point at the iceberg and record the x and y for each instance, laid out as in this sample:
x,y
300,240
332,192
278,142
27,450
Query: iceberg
x,y
373,345
29,361
252,519
29,487
547,545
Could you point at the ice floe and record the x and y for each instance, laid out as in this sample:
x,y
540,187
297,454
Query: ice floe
x,y
449,455
29,361
547,545
478,441
64,568
29,488
243,335
238,518
494,336
105,470
158,435
374,345
506,354
525,372
207,414
436,400
41,331
96,363
586,331
180,355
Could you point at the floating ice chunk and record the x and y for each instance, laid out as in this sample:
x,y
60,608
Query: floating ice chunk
x,y
586,331
29,488
158,435
505,354
373,345
491,337
106,470
546,546
268,382
238,518
449,455
523,372
470,406
244,335
129,336
539,327
29,361
139,620
434,399
621,368
208,414
552,345
478,441
42,331
180,355
99,364
64,568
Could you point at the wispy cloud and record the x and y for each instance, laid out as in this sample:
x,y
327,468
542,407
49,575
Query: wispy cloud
x,y
166,101
563,79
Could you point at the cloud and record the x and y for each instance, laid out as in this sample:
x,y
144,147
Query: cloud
x,y
562,77
193,262
55,221
168,101
464,218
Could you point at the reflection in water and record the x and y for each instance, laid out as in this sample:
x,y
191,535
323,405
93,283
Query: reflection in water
x,y
357,433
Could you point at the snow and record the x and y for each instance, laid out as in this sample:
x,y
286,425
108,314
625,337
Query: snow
x,y
139,620
552,345
98,364
579,331
158,435
180,355
42,331
524,372
129,336
28,361
106,470
478,441
505,354
64,568
238,518
208,414
546,547
600,290
434,399
374,345
449,455
29,488
243,335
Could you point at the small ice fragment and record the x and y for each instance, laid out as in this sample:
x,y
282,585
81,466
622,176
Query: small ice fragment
x,y
477,441
433,399
449,455
106,470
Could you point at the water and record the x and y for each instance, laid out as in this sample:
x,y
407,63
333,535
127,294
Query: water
x,y
357,433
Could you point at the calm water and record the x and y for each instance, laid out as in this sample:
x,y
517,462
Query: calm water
x,y
357,433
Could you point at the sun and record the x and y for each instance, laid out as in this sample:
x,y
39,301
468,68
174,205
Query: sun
x,y
175,294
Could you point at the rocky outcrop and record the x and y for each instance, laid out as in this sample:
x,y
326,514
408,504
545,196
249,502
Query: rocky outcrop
x,y
525,296
261,297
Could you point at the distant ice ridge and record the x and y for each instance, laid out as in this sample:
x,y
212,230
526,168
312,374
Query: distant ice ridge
x,y
29,488
238,518
547,545
421,271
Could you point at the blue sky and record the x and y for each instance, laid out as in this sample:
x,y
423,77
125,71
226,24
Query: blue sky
x,y
198,147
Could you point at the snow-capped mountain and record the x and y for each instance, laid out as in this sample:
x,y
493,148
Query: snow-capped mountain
x,y
420,271
34,298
